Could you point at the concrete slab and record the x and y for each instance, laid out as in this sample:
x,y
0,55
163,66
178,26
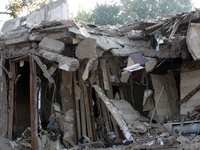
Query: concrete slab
x,y
86,49
52,45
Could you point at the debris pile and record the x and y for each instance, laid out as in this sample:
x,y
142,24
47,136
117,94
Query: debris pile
x,y
73,85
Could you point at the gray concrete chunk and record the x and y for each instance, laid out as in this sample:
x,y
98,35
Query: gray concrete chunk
x,y
86,49
150,65
52,45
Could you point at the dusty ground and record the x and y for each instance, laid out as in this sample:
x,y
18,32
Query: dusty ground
x,y
4,144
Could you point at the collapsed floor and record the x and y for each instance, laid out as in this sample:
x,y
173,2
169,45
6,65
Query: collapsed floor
x,y
81,85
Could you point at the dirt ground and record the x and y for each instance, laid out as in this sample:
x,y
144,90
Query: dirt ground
x,y
4,144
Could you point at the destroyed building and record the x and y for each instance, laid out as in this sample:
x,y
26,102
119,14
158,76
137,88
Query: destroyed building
x,y
99,85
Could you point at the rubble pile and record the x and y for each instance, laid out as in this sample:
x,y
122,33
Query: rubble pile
x,y
69,84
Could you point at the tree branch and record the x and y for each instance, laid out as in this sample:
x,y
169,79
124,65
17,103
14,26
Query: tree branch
x,y
6,13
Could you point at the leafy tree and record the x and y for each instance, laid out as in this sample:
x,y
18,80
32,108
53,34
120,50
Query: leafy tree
x,y
17,6
104,14
151,9
83,15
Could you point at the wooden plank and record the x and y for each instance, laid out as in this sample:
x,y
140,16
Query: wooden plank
x,y
33,104
77,111
25,57
175,27
11,99
82,104
100,110
105,115
46,73
89,89
83,121
197,107
87,109
155,26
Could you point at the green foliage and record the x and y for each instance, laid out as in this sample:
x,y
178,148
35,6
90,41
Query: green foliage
x,y
83,15
17,6
71,16
104,14
151,9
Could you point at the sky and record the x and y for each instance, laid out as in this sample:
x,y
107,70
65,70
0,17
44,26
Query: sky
x,y
73,6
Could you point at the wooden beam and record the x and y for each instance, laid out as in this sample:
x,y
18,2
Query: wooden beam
x,y
11,99
46,73
33,104
25,57
189,95
155,26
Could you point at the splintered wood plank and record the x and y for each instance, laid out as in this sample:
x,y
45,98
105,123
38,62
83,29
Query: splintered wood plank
x,y
11,99
175,27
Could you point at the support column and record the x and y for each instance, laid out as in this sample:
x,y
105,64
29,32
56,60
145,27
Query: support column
x,y
33,104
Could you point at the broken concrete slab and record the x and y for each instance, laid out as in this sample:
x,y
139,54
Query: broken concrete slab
x,y
88,68
86,49
125,51
17,40
15,34
58,13
37,36
52,45
65,63
57,10
10,25
150,65
16,37
193,40
105,43
125,76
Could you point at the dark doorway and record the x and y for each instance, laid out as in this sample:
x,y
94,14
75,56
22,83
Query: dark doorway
x,y
21,118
